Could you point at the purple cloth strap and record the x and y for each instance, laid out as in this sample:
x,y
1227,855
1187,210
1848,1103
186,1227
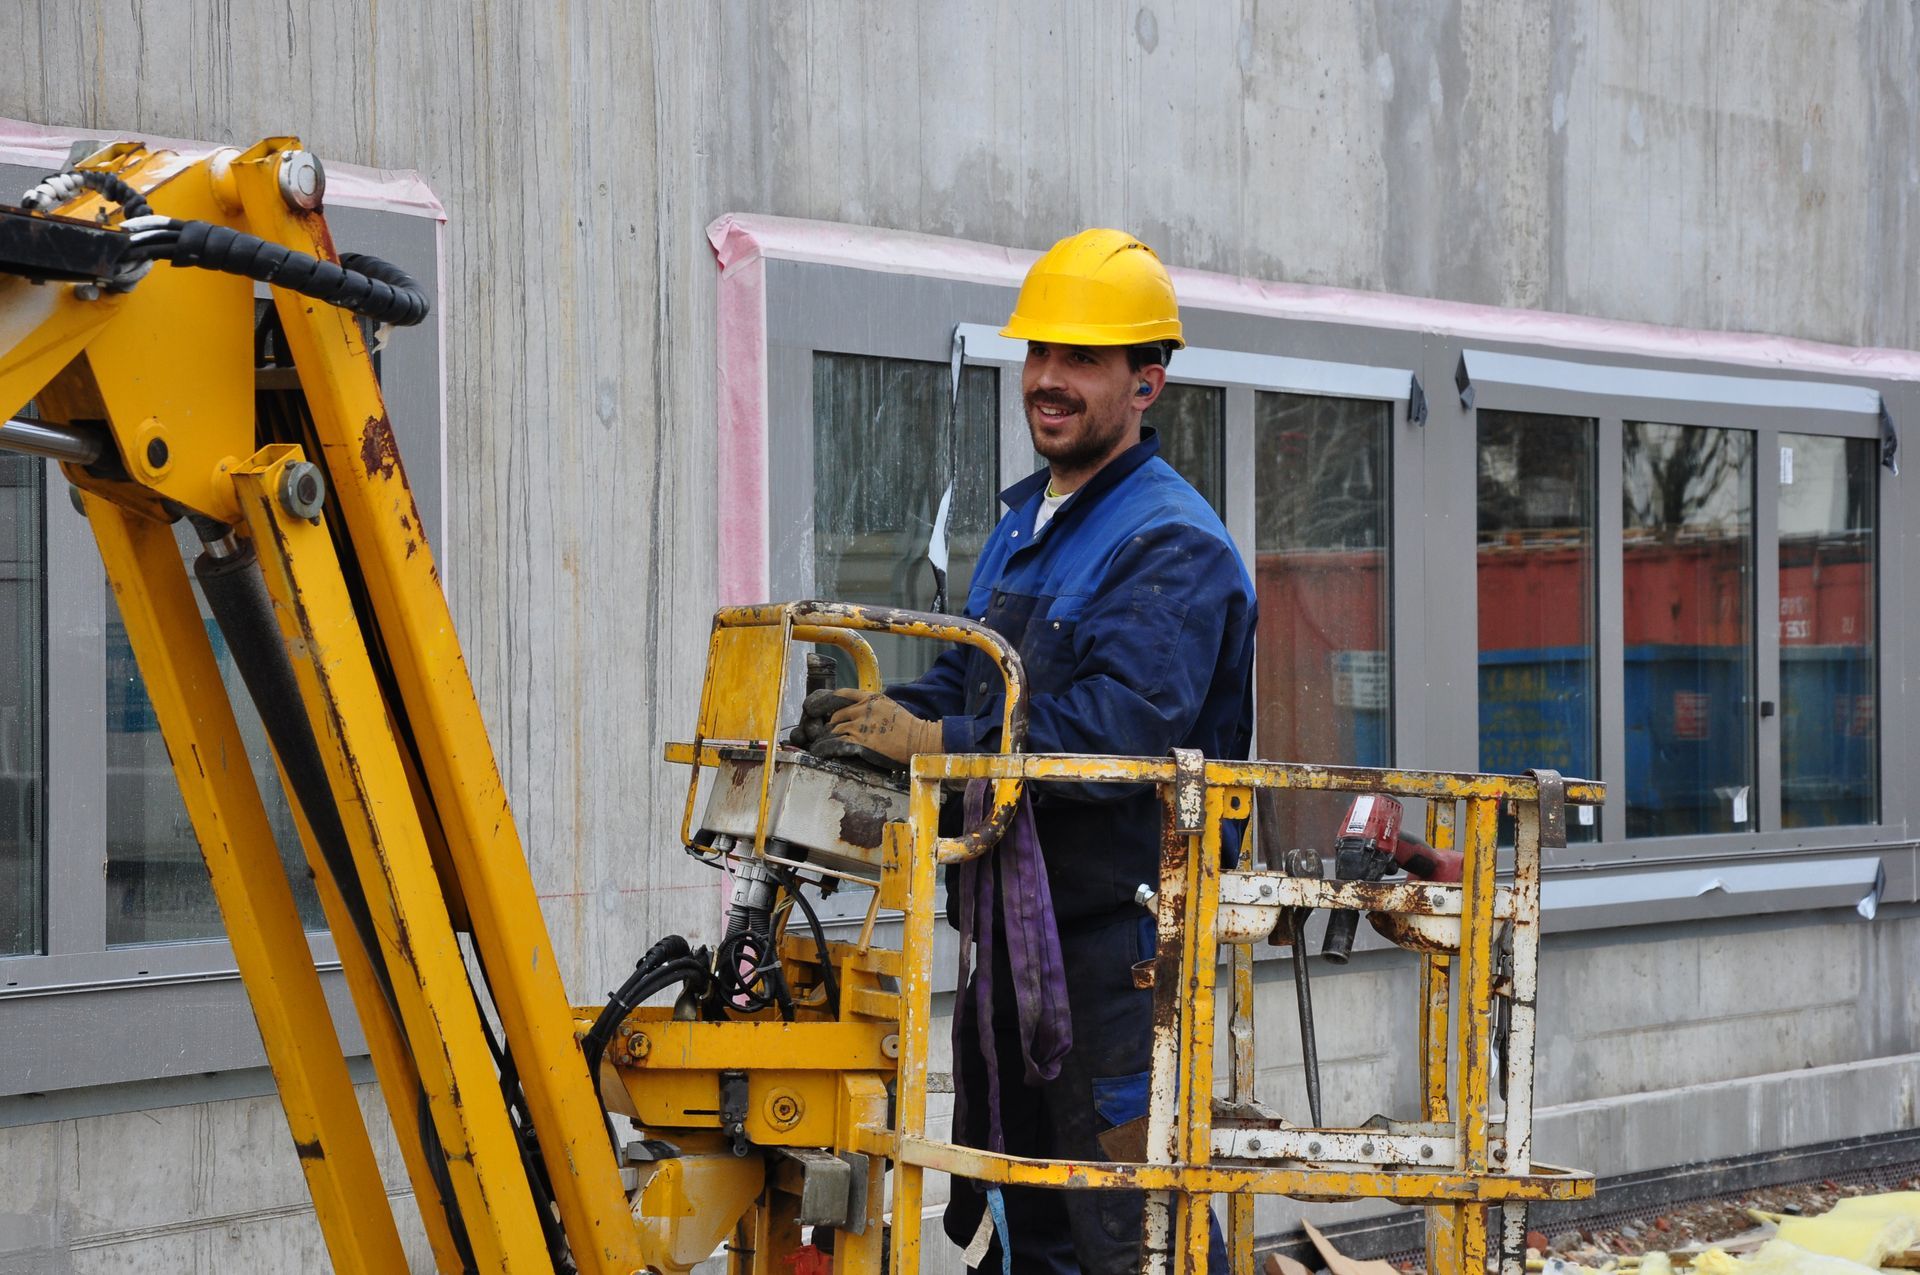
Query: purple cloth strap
x,y
1014,871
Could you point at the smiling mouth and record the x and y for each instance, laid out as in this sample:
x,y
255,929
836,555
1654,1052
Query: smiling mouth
x,y
1055,413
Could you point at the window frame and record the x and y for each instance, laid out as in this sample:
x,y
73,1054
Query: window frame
x,y
1760,402
806,278
71,1008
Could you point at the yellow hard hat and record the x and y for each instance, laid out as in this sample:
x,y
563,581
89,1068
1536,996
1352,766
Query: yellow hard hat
x,y
1099,287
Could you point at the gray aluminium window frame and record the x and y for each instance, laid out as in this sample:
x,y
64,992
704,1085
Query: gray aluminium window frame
x,y
68,1012
1765,402
884,311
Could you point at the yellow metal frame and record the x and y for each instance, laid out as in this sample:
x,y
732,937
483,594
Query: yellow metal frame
x,y
432,849
432,837
1182,1169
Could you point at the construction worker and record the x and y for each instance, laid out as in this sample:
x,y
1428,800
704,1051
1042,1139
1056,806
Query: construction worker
x,y
1134,618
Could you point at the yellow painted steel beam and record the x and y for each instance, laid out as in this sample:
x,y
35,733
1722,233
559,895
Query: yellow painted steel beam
x,y
393,1064
209,758
1200,967
368,485
1472,1023
1544,1183
1240,1219
672,1045
1166,1084
916,1017
1436,992
1254,774
863,1103
420,953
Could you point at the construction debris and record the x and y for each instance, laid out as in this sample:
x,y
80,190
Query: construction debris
x,y
1339,1263
1857,1236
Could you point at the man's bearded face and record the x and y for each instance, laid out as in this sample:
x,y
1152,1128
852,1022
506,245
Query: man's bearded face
x,y
1079,402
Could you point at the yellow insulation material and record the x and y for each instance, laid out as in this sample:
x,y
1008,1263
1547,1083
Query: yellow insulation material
x,y
1865,1228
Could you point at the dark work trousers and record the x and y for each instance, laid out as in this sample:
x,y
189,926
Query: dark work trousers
x,y
1102,1083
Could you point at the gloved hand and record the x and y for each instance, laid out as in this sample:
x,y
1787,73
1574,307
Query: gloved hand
x,y
876,730
815,711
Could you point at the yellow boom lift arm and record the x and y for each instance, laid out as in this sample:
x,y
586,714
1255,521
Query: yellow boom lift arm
x,y
791,1073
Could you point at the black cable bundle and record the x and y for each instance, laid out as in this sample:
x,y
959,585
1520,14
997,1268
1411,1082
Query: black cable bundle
x,y
364,285
792,883
671,960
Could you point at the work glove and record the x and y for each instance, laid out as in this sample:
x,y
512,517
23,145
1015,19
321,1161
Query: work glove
x,y
815,712
875,730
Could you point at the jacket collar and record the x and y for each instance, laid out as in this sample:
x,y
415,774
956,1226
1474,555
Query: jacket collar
x,y
1032,489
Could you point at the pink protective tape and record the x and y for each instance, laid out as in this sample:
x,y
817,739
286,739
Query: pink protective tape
x,y
349,185
745,573
739,237
743,243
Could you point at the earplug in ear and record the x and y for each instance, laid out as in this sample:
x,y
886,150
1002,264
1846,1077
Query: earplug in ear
x,y
1146,388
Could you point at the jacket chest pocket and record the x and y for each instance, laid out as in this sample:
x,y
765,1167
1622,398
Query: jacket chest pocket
x,y
1048,655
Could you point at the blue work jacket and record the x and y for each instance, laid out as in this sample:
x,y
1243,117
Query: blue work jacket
x,y
1134,618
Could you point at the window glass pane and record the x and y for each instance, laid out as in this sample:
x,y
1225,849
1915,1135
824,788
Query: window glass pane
x,y
157,885
1535,587
1688,566
1192,420
23,711
880,466
1829,718
1324,672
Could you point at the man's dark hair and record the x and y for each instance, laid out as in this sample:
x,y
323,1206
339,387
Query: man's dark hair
x,y
1152,354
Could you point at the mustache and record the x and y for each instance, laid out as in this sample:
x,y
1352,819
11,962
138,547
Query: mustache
x,y
1056,398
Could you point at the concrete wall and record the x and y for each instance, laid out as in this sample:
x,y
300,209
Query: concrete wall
x,y
1745,167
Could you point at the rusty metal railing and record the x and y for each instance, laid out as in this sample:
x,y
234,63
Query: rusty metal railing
x,y
1477,944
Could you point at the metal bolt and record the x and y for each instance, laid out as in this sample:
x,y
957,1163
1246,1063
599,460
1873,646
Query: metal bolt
x,y
86,292
783,1111
638,1046
157,453
303,182
1266,889
302,490
1313,1148
1500,1154
1426,1152
1253,1144
890,1045
1366,1148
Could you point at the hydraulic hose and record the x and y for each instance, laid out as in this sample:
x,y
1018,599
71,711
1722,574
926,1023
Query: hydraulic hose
x,y
236,593
365,285
237,596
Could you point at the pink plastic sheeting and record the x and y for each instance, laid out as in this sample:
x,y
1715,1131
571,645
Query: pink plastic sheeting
x,y
350,185
743,242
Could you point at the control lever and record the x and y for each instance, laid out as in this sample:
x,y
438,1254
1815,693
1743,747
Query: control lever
x,y
1304,863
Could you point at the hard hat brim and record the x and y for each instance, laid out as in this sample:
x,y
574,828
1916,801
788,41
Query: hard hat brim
x,y
1164,332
